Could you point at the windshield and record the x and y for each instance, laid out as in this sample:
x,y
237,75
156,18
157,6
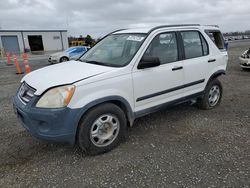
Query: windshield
x,y
70,49
115,50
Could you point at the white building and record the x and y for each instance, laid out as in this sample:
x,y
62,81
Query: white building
x,y
34,40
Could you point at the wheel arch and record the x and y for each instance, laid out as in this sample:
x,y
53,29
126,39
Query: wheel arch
x,y
64,56
117,100
217,74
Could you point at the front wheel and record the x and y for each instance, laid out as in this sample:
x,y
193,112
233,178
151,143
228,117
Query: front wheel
x,y
64,59
102,129
212,95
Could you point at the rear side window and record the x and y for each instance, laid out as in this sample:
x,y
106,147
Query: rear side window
x,y
217,38
194,44
163,46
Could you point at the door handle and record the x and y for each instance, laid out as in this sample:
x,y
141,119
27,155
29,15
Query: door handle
x,y
211,60
177,68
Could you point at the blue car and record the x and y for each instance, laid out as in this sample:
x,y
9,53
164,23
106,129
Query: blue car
x,y
67,54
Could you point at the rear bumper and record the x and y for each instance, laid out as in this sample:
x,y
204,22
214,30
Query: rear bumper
x,y
58,125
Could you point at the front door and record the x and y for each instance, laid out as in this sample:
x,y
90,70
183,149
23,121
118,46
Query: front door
x,y
158,85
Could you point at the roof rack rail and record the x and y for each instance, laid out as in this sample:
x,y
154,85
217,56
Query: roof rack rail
x,y
180,25
213,26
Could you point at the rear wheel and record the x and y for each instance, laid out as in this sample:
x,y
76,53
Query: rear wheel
x,y
212,95
102,129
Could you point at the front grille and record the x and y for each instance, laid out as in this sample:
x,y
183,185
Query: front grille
x,y
26,93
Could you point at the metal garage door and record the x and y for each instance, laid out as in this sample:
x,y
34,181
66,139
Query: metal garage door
x,y
10,44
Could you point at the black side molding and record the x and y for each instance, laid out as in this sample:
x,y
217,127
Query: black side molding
x,y
167,105
169,90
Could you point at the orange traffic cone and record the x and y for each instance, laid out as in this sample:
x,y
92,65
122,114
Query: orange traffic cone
x,y
27,68
24,56
8,58
26,63
18,69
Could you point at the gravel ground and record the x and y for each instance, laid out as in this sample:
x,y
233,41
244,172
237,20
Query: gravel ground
x,y
179,147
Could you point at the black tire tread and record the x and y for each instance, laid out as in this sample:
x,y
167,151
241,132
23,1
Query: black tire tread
x,y
64,57
202,102
83,131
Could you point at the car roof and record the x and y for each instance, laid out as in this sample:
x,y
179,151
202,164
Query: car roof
x,y
73,47
147,30
79,47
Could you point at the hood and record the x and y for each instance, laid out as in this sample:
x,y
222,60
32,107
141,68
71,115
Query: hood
x,y
58,54
62,74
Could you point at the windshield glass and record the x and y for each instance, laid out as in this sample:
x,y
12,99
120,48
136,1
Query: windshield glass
x,y
70,49
115,50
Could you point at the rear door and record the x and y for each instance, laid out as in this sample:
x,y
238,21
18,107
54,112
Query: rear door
x,y
195,63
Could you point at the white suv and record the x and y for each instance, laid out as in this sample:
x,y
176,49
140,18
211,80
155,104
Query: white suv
x,y
128,74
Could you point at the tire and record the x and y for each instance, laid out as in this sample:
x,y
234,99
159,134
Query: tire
x,y
212,95
97,134
63,59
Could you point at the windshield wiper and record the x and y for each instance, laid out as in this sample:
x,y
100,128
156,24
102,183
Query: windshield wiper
x,y
99,63
96,62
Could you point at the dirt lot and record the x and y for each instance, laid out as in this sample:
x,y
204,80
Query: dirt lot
x,y
179,147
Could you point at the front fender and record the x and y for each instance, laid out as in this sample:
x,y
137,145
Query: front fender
x,y
82,111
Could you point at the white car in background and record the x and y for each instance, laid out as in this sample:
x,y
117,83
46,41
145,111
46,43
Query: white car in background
x,y
245,60
67,54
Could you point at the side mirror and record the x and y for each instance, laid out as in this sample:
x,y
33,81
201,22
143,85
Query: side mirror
x,y
148,62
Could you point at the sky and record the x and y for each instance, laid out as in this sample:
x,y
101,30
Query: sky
x,y
99,17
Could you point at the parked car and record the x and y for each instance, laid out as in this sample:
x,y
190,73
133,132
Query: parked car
x,y
67,54
245,60
128,74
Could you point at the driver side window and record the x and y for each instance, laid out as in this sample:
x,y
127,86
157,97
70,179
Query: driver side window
x,y
163,46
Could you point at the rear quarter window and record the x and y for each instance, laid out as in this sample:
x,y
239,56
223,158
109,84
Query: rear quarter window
x,y
217,38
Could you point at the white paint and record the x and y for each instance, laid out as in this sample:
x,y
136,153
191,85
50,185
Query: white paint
x,y
128,82
62,74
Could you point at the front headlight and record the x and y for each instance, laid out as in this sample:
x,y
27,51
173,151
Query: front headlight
x,y
56,97
55,56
